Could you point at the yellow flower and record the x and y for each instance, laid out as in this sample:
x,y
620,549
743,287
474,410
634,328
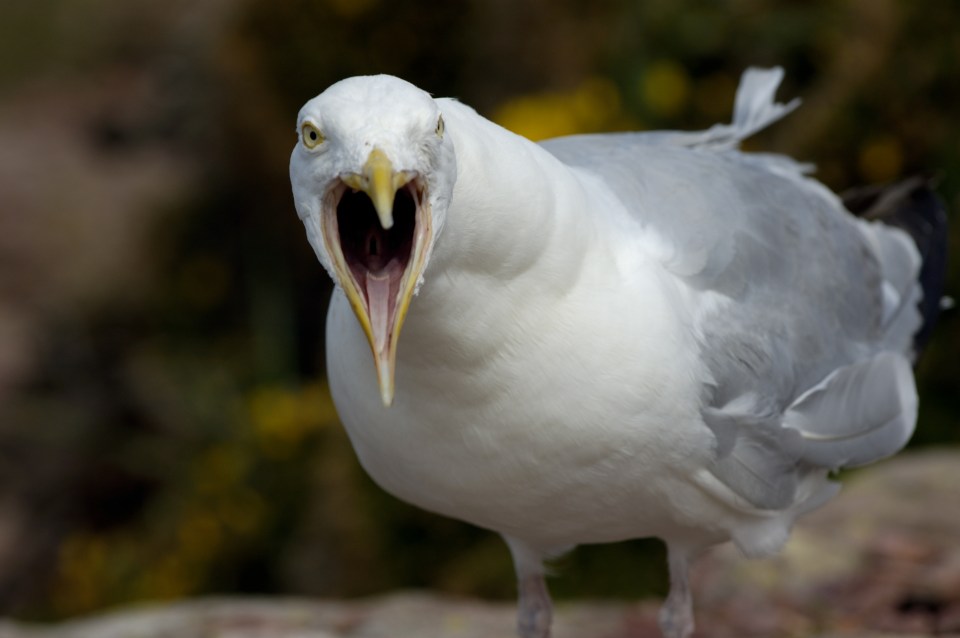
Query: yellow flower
x,y
282,417
881,160
199,534
592,106
665,88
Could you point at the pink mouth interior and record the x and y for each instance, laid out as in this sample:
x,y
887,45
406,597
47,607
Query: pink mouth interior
x,y
377,258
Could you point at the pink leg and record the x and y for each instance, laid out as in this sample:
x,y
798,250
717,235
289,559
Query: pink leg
x,y
535,608
676,614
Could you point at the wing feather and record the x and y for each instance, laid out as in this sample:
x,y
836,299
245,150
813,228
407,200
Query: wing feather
x,y
859,414
788,297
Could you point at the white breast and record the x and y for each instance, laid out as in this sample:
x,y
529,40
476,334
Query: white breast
x,y
491,424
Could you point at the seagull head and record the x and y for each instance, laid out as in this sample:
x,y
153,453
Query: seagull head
x,y
372,175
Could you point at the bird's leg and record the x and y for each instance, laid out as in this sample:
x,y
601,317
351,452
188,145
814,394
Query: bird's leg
x,y
535,611
676,614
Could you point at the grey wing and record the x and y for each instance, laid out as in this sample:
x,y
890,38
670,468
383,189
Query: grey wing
x,y
794,297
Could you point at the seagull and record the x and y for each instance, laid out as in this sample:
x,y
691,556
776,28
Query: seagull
x,y
610,336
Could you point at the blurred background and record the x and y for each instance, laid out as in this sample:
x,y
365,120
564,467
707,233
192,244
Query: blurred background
x,y
165,425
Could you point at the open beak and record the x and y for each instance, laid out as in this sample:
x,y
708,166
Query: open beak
x,y
376,225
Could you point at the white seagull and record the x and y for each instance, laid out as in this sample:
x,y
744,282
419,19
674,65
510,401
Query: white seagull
x,y
603,337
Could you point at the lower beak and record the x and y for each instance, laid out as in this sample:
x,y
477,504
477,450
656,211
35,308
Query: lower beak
x,y
376,225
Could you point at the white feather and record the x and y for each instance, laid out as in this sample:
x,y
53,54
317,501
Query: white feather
x,y
861,413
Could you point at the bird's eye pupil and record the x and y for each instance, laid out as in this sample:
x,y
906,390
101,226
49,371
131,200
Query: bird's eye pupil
x,y
313,135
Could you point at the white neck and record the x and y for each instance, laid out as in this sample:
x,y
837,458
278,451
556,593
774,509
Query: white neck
x,y
515,208
513,244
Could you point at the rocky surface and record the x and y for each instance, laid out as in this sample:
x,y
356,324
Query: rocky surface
x,y
881,560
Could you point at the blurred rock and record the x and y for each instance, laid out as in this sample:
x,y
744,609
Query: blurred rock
x,y
882,556
880,560
408,614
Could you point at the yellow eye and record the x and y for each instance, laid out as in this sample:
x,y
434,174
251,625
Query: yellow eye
x,y
440,127
312,137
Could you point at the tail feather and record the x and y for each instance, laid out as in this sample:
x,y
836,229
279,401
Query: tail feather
x,y
755,108
913,207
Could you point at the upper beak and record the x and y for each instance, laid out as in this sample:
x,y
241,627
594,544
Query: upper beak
x,y
378,260
380,182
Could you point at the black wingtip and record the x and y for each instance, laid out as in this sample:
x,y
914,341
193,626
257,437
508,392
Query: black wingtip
x,y
914,207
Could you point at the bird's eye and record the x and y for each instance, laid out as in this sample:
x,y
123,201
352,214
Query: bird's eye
x,y
440,127
312,137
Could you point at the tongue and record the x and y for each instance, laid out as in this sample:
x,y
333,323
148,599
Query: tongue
x,y
378,301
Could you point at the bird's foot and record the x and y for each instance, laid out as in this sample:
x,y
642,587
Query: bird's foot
x,y
535,608
676,615
676,618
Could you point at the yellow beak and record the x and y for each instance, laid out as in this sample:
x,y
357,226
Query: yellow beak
x,y
380,316
380,182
